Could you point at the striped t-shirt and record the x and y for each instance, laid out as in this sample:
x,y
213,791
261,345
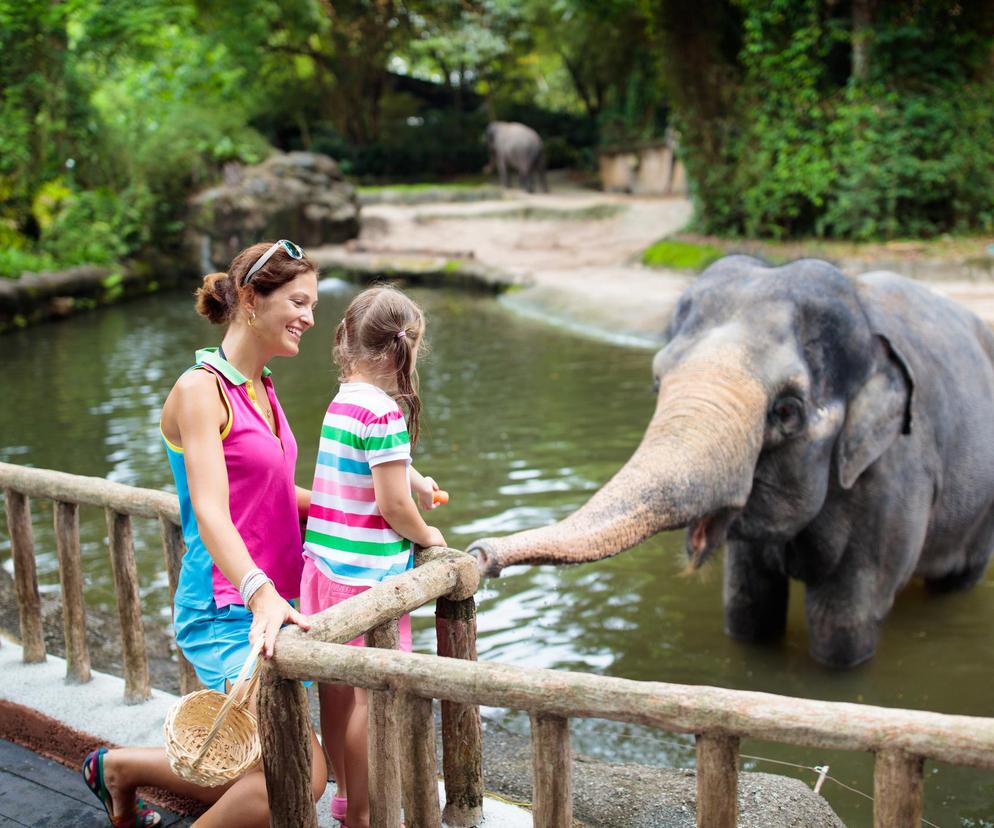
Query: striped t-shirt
x,y
347,537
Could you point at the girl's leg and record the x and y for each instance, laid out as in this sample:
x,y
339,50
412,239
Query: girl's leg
x,y
357,762
336,702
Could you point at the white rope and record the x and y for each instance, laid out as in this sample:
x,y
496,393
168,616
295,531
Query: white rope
x,y
822,771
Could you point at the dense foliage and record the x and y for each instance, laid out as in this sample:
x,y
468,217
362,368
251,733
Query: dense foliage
x,y
843,118
808,117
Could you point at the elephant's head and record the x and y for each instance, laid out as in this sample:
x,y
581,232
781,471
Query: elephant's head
x,y
775,385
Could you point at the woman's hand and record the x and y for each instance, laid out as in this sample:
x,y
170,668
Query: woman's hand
x,y
270,611
425,489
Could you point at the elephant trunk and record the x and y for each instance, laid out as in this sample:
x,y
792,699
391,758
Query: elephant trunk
x,y
695,461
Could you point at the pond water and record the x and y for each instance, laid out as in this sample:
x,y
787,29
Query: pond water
x,y
524,421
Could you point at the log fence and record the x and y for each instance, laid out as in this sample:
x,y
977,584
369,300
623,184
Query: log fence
x,y
403,686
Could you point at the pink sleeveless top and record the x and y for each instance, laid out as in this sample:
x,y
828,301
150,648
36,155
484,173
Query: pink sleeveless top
x,y
262,495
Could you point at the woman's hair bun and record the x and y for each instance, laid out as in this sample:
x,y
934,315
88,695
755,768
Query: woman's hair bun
x,y
216,298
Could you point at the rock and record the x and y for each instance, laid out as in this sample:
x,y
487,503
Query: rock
x,y
301,196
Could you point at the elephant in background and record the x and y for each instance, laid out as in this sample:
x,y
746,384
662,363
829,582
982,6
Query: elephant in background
x,y
836,431
517,148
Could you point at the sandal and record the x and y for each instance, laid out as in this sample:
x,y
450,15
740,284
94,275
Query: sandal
x,y
339,807
93,775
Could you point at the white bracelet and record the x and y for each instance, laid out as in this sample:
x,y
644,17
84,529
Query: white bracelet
x,y
252,582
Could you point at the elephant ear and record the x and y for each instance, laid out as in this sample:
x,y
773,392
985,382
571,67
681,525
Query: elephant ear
x,y
880,411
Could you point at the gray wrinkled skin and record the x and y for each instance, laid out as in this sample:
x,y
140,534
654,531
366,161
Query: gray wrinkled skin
x,y
516,148
836,431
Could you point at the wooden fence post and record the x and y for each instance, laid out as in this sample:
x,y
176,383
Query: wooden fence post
x,y
285,732
462,735
717,780
71,578
897,790
173,548
137,686
418,767
22,549
552,772
384,740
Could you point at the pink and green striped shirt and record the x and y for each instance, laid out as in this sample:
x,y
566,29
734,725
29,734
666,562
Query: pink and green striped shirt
x,y
347,537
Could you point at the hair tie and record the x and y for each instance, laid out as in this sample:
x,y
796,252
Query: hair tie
x,y
401,334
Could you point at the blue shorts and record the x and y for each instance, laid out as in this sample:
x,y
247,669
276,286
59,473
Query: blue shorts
x,y
215,641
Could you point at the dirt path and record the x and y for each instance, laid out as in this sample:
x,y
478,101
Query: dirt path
x,y
575,255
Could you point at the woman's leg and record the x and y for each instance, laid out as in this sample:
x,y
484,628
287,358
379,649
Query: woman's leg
x,y
357,762
336,701
240,802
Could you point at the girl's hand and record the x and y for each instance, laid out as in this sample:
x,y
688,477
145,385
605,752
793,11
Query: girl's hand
x,y
269,612
425,490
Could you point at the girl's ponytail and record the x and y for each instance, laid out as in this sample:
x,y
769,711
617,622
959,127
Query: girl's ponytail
x,y
407,382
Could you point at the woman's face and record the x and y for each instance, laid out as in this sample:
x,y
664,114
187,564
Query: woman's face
x,y
284,315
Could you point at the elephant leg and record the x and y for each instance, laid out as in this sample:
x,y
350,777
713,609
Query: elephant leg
x,y
846,606
755,592
527,181
977,555
843,621
502,170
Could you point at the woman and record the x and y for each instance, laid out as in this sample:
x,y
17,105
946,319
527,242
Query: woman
x,y
232,454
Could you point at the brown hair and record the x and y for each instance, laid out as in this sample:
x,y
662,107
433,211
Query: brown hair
x,y
385,328
218,297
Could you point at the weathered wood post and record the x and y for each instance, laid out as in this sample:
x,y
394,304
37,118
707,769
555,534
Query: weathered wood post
x,y
717,780
285,732
173,548
137,686
384,740
897,790
71,578
22,548
418,766
462,735
552,772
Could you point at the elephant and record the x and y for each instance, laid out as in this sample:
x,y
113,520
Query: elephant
x,y
832,430
517,148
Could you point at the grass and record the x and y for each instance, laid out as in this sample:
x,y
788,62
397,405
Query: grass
x,y
680,255
14,262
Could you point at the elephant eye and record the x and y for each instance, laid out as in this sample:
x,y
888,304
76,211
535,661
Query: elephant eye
x,y
787,415
655,385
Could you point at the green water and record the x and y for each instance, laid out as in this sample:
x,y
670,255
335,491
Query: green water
x,y
523,422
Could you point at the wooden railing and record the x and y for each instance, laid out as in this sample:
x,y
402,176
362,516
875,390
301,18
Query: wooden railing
x,y
402,687
406,683
121,503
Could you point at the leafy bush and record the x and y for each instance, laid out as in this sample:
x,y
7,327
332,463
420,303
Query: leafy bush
x,y
793,142
97,227
14,262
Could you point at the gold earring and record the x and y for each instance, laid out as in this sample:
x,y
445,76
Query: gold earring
x,y
252,320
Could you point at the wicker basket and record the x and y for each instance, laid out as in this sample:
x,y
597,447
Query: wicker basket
x,y
212,738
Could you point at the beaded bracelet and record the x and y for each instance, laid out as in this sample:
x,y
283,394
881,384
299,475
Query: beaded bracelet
x,y
252,582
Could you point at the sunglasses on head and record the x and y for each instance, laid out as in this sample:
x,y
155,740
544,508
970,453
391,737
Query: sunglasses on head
x,y
291,249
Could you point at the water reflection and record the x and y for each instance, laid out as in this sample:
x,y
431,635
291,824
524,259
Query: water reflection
x,y
523,423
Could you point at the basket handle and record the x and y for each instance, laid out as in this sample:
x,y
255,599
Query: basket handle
x,y
252,661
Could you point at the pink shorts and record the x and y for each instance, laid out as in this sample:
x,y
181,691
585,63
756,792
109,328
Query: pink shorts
x,y
318,592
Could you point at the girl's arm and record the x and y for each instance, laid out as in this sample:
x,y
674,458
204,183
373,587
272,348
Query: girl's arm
x,y
199,416
303,502
393,499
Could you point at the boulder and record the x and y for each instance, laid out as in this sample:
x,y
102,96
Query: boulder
x,y
302,196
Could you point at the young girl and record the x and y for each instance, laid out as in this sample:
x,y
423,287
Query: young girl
x,y
362,520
